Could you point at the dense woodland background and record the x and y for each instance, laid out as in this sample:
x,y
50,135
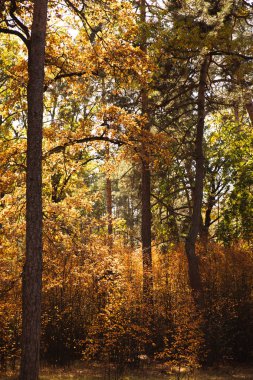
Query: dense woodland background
x,y
147,180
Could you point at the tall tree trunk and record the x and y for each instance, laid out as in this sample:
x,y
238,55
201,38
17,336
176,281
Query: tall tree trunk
x,y
247,96
109,205
193,263
108,189
204,232
32,273
146,217
146,234
249,108
211,201
108,184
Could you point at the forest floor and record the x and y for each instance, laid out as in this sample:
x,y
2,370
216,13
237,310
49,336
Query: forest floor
x,y
154,372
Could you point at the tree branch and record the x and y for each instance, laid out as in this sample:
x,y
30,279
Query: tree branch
x,y
17,21
234,53
61,148
73,74
16,33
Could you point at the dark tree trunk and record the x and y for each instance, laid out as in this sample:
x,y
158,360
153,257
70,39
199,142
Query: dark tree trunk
x,y
249,108
247,98
108,184
193,262
108,189
146,235
109,204
146,217
204,233
32,273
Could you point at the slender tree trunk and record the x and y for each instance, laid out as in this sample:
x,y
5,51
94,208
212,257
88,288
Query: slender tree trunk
x,y
146,217
109,204
108,186
193,263
32,273
236,112
146,235
204,233
249,108
204,230
247,96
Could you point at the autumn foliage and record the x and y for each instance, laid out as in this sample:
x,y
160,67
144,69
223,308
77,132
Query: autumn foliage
x,y
92,307
133,88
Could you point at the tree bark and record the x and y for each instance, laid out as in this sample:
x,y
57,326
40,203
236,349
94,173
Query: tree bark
x,y
109,204
193,262
146,216
205,226
249,108
247,98
146,235
108,186
32,273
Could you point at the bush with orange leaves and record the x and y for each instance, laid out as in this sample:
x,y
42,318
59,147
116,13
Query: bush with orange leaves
x,y
92,303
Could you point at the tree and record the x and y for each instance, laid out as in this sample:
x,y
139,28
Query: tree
x,y
32,273
146,216
194,273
